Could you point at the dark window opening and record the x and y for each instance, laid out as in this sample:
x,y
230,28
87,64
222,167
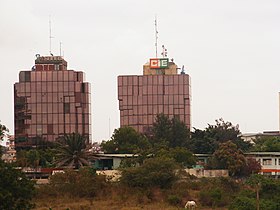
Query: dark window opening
x,y
50,129
27,76
66,108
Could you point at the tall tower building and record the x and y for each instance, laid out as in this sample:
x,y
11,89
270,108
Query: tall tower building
x,y
159,90
50,101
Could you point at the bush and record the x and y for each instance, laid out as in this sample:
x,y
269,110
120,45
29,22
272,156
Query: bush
x,y
82,183
243,203
174,200
180,188
269,204
210,197
155,172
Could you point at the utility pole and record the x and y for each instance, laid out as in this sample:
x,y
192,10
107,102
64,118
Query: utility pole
x,y
258,195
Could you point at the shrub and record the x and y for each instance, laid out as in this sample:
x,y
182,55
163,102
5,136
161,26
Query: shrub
x,y
174,200
243,203
82,183
155,172
210,197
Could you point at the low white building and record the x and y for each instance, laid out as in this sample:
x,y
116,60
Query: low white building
x,y
270,162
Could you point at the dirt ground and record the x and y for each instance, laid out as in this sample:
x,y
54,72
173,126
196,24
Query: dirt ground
x,y
82,204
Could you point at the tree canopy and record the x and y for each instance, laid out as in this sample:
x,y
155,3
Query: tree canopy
x,y
71,151
170,132
228,156
126,140
16,190
208,140
267,144
202,143
181,155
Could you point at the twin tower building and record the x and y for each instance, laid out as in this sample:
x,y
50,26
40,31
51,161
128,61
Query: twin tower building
x,y
51,100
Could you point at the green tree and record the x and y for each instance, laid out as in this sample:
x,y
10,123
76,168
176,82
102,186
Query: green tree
x,y
72,151
162,129
215,134
267,144
21,159
180,134
47,157
169,132
228,156
16,190
223,131
33,158
154,172
202,143
180,155
126,140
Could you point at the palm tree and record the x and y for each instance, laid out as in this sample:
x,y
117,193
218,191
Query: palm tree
x,y
71,151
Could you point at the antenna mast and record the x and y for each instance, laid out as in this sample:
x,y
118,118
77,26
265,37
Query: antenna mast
x,y
50,37
156,33
60,43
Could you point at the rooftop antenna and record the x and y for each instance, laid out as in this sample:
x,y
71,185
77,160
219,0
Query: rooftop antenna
x,y
156,34
50,37
164,52
183,70
109,127
60,43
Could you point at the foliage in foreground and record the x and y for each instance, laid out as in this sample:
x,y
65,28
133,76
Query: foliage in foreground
x,y
154,172
16,190
84,183
216,192
269,194
136,190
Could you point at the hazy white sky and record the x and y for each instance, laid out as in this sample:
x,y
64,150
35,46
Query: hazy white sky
x,y
230,48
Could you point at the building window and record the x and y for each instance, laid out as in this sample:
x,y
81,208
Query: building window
x,y
267,161
27,76
66,108
56,67
50,129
